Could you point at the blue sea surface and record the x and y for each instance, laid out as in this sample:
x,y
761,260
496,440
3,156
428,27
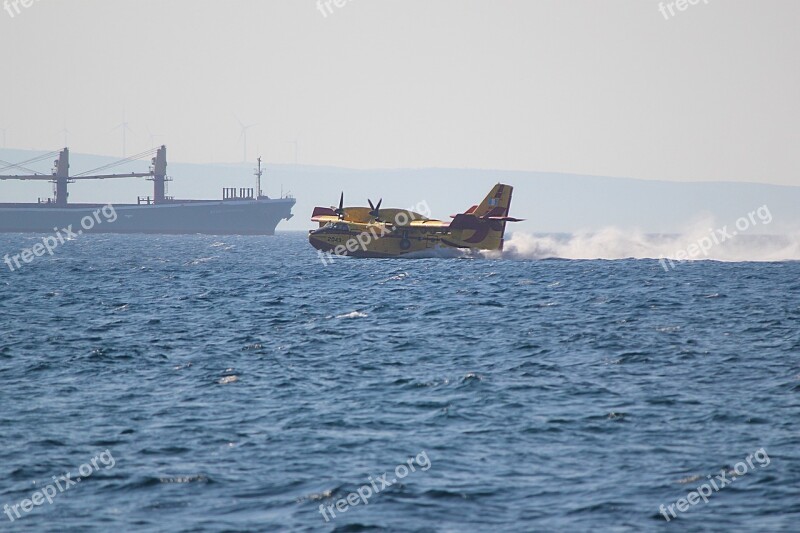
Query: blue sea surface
x,y
240,384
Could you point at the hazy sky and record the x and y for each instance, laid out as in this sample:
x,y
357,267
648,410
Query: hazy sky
x,y
594,87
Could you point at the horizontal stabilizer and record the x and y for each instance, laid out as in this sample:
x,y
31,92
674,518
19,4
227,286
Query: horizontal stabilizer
x,y
463,221
505,219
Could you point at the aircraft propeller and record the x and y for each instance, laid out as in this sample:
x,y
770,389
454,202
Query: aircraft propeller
x,y
340,212
376,210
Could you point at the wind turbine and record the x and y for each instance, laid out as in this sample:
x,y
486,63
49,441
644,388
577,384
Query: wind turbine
x,y
65,131
4,136
296,143
243,136
125,128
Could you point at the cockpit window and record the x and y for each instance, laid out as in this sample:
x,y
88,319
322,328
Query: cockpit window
x,y
336,226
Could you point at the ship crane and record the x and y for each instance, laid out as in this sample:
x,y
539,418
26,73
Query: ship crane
x,y
60,175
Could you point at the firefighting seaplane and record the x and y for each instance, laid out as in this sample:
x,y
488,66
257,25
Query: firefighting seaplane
x,y
375,232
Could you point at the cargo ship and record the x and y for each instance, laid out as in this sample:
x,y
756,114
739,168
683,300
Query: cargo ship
x,y
242,211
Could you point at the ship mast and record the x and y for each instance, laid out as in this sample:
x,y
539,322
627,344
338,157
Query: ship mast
x,y
258,174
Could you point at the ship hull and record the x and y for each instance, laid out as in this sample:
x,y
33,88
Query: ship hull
x,y
178,217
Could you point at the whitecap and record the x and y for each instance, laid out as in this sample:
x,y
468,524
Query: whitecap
x,y
354,314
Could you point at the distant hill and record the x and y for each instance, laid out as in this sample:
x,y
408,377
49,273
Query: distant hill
x,y
551,202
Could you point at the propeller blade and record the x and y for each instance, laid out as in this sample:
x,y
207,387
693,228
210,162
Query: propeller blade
x,y
340,211
375,210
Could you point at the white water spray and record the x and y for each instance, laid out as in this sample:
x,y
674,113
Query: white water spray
x,y
613,243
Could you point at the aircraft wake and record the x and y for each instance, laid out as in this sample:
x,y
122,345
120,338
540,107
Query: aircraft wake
x,y
613,243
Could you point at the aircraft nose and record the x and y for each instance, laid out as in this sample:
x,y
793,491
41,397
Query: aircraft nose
x,y
319,244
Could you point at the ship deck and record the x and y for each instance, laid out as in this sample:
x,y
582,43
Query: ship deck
x,y
53,205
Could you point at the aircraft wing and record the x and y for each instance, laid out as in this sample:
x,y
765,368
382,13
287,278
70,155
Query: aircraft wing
x,y
359,215
325,219
428,224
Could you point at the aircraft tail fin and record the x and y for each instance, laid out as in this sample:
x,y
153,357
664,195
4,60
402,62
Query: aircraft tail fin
x,y
496,203
483,226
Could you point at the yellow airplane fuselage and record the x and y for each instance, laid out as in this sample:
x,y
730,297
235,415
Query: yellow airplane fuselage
x,y
365,232
374,239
